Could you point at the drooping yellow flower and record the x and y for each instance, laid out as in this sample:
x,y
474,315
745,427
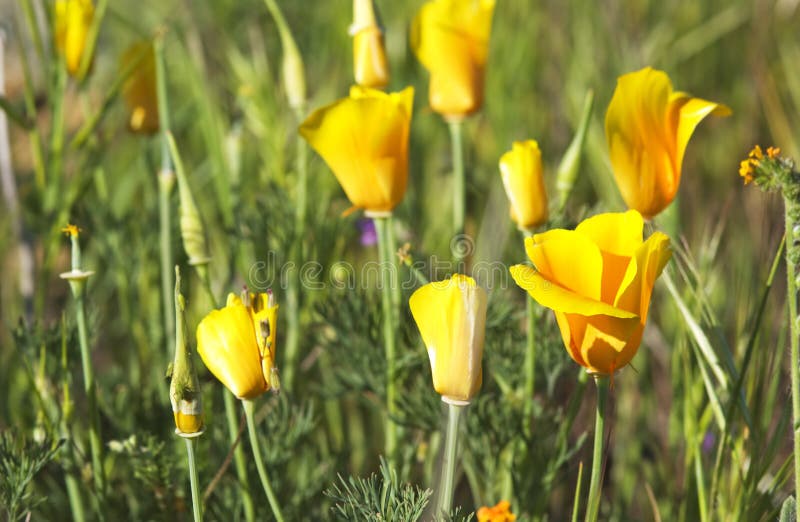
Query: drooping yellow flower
x,y
451,316
501,512
451,39
648,126
237,344
369,54
597,279
364,140
139,90
521,169
72,21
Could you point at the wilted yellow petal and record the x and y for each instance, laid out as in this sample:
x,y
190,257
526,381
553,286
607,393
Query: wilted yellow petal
x,y
451,317
521,170
364,140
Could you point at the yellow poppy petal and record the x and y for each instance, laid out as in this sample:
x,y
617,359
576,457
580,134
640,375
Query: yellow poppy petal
x,y
523,180
645,267
451,318
228,347
609,343
364,140
691,113
568,259
560,299
618,233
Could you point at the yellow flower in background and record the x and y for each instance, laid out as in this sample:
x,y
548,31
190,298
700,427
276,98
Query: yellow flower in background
x,y
237,344
648,126
597,279
139,90
72,21
451,39
364,140
521,170
369,53
498,513
451,316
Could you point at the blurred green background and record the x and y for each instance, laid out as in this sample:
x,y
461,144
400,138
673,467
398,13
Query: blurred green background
x,y
237,136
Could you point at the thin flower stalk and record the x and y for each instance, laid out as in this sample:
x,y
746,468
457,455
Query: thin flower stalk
x,y
77,280
166,182
447,480
459,184
191,444
382,226
249,407
596,479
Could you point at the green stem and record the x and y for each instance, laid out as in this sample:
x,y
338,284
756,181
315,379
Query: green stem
x,y
577,502
292,346
74,494
90,388
238,456
530,365
791,299
446,488
381,226
595,483
459,196
166,182
191,442
249,406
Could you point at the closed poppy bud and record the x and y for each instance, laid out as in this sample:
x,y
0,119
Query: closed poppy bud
x,y
184,388
72,21
364,140
597,279
237,344
139,90
451,39
369,53
648,126
451,316
521,169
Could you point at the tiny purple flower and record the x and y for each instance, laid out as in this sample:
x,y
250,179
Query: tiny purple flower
x,y
709,440
369,235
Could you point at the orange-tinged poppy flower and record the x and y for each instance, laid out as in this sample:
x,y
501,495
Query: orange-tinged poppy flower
x,y
598,280
139,90
451,316
648,126
521,170
451,39
501,512
72,21
364,140
369,53
237,344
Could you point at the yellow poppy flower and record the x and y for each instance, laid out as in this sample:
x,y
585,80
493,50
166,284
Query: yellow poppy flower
x,y
369,54
237,344
364,140
451,316
521,169
498,513
648,126
139,90
597,279
451,39
72,21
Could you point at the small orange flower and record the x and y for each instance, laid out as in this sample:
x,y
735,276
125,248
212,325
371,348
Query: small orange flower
x,y
499,513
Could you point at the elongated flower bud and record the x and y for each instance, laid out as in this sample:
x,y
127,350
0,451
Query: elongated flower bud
x,y
369,53
184,388
191,224
294,76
